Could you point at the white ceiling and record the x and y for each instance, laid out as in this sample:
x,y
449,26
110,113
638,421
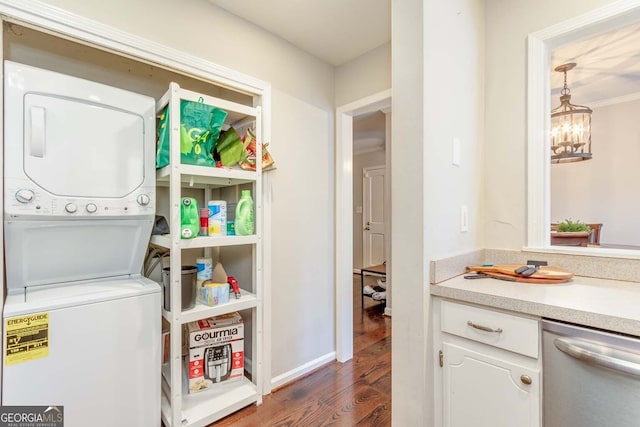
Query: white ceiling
x,y
608,66
336,31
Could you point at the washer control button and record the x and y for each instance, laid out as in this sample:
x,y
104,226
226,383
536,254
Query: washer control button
x,y
25,196
91,208
71,208
143,199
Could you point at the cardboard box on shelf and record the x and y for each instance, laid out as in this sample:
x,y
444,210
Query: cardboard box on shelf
x,y
216,351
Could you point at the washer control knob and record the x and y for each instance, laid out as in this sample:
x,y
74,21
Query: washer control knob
x,y
143,199
71,208
91,208
25,196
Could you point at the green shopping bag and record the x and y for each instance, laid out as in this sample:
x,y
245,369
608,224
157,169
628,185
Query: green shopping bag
x,y
199,130
229,148
162,140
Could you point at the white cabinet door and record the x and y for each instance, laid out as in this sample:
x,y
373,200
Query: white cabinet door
x,y
480,390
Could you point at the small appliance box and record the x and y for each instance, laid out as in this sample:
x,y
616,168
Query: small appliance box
x,y
216,351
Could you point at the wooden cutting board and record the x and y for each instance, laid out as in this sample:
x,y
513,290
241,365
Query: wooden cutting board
x,y
525,279
545,274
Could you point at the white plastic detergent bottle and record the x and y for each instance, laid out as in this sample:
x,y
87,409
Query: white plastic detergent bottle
x,y
245,222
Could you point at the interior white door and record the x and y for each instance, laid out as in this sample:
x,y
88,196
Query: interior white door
x,y
373,220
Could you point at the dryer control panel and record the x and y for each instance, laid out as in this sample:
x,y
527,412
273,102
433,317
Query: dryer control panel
x,y
76,148
22,198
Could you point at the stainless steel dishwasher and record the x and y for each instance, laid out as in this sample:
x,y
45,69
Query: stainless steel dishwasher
x,y
591,378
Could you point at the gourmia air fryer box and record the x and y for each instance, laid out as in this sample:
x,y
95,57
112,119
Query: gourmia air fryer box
x,y
216,351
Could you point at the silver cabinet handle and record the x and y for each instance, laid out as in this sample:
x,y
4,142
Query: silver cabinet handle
x,y
484,328
600,355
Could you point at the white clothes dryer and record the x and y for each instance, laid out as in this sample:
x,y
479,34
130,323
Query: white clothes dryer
x,y
82,326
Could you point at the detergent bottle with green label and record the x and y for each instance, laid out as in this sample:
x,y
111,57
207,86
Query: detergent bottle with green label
x,y
245,221
189,218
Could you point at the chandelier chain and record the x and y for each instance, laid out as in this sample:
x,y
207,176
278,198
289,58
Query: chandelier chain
x,y
565,90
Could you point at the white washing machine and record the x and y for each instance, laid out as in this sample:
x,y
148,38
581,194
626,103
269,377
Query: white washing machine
x,y
81,325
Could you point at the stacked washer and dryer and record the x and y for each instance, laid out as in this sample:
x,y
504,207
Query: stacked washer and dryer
x,y
81,325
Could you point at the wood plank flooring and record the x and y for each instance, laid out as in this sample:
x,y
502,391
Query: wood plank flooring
x,y
355,393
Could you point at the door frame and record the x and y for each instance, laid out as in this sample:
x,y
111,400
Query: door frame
x,y
344,217
364,205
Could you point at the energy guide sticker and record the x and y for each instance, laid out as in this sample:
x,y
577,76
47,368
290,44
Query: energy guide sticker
x,y
26,337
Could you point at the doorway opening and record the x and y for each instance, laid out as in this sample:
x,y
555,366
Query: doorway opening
x,y
345,176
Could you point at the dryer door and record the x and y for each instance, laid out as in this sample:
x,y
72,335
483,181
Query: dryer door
x,y
72,147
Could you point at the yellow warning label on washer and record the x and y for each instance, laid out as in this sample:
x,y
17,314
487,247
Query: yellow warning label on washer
x,y
26,337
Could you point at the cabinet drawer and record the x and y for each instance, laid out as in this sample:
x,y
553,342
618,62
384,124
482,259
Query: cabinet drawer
x,y
498,329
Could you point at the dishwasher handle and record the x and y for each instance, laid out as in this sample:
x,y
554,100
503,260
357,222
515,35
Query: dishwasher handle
x,y
600,355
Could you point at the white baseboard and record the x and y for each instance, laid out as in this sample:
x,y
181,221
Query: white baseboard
x,y
387,311
293,374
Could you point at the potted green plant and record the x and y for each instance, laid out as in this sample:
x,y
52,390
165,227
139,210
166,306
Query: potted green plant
x,y
570,233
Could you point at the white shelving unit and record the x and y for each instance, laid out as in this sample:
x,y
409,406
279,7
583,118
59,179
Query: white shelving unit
x,y
203,408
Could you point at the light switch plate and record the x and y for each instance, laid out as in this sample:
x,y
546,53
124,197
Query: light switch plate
x,y
456,152
464,219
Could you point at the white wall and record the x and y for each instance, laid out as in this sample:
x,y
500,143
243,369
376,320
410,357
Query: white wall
x,y
438,74
411,401
604,189
364,76
204,30
303,326
302,290
361,161
508,22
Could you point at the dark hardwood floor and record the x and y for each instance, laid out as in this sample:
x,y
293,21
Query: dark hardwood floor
x,y
355,393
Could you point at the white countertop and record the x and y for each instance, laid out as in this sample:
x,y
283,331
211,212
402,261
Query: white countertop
x,y
606,304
